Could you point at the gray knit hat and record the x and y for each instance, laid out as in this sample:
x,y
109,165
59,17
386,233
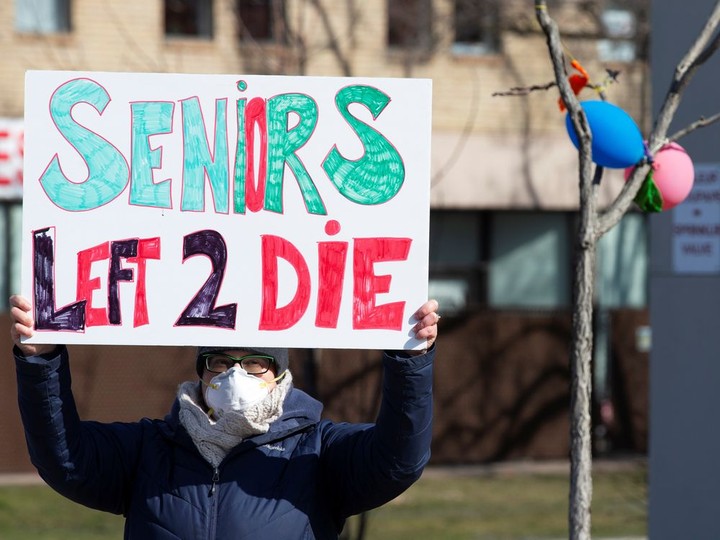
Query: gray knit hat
x,y
280,356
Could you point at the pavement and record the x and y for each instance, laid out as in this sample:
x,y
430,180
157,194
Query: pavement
x,y
20,479
623,463
491,469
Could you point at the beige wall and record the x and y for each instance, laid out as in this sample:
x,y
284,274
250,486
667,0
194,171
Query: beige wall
x,y
489,152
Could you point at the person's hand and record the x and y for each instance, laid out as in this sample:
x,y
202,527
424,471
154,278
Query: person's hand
x,y
426,327
22,326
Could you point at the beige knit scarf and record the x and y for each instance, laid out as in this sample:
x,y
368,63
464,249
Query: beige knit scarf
x,y
215,438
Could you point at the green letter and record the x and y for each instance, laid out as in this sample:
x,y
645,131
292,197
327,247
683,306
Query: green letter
x,y
379,174
197,158
282,145
107,169
240,159
148,118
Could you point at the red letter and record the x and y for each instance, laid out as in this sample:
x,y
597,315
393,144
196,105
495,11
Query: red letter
x,y
366,315
255,191
85,286
148,248
331,270
272,317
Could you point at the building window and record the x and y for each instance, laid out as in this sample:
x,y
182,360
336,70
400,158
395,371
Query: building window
x,y
620,29
10,258
476,26
262,20
522,260
42,16
410,24
622,264
529,260
188,18
457,275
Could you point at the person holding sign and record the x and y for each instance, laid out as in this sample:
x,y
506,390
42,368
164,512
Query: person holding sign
x,y
242,454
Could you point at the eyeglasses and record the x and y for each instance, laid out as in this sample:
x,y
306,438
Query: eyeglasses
x,y
255,364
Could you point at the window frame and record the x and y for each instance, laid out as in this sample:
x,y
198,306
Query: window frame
x,y
200,24
272,21
55,17
409,25
483,37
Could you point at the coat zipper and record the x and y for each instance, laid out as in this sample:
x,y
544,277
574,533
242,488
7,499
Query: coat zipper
x,y
215,480
212,524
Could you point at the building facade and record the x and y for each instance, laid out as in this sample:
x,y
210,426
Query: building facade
x,y
504,179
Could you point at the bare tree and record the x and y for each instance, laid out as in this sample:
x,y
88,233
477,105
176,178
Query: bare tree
x,y
593,224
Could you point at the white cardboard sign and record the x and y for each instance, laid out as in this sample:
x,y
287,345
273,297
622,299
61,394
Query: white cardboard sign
x,y
170,209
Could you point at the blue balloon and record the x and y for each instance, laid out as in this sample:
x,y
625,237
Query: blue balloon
x,y
616,140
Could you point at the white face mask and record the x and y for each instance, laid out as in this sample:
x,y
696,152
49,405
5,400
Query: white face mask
x,y
234,390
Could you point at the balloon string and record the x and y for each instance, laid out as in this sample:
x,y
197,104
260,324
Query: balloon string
x,y
648,156
575,63
577,81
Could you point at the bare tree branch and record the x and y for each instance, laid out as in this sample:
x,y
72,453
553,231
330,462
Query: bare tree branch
x,y
705,45
525,90
611,78
441,174
568,96
353,17
701,123
148,61
699,52
333,42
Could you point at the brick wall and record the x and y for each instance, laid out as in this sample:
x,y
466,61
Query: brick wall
x,y
129,36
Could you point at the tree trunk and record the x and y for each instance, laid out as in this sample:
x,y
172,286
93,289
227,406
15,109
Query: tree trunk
x,y
592,226
581,391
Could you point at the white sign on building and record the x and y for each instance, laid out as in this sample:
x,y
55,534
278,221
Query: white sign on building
x,y
696,225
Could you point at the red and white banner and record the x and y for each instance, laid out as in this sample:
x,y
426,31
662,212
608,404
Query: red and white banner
x,y
11,157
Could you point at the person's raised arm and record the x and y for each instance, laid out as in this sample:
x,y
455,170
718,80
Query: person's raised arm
x,y
368,465
22,326
87,462
426,327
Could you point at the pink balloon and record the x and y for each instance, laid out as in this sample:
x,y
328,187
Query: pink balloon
x,y
673,173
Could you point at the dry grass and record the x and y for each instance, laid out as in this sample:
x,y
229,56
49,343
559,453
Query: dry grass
x,y
478,504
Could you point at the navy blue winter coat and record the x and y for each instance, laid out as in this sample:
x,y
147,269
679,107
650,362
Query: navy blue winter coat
x,y
301,480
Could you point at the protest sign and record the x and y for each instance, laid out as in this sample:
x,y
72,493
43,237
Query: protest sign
x,y
172,209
